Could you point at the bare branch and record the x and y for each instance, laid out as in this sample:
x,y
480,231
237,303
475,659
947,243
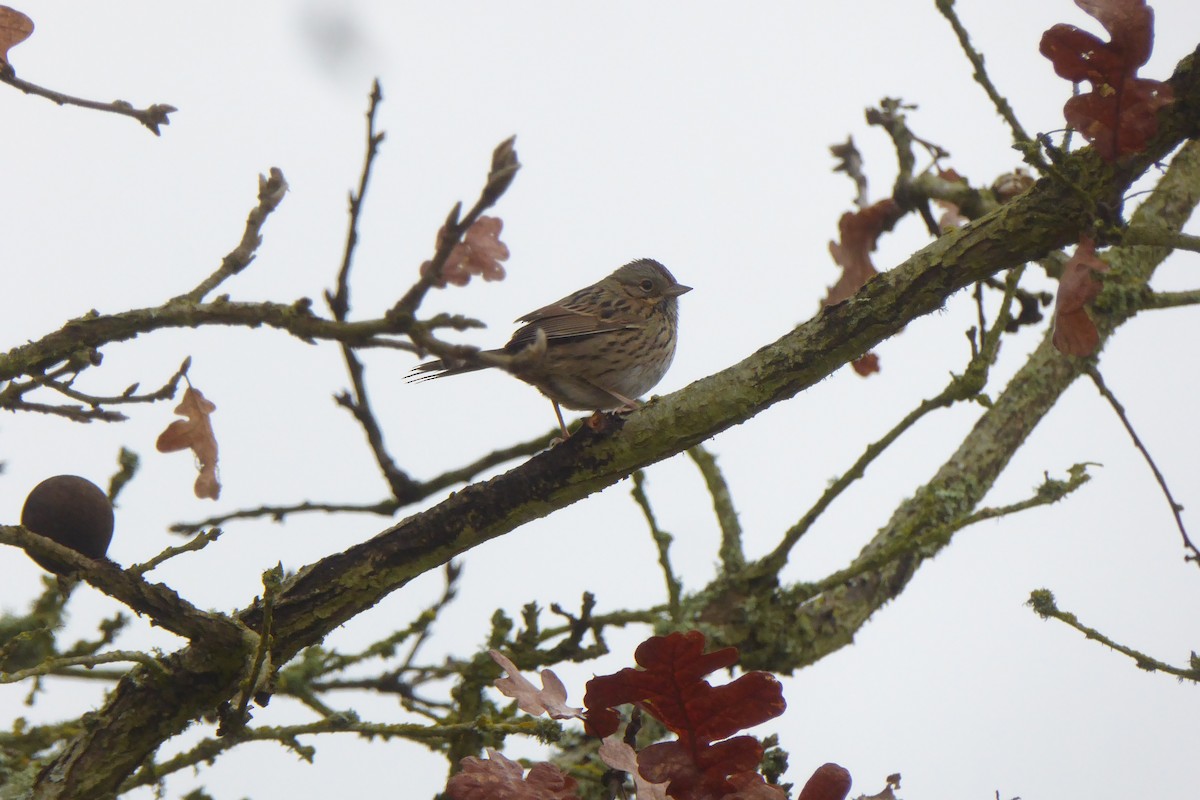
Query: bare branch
x,y
54,665
1176,508
1051,491
1158,237
968,386
1042,602
270,194
209,749
339,301
152,116
730,552
198,542
946,7
662,541
387,507
504,169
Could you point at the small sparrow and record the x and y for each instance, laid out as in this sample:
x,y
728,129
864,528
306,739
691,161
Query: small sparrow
x,y
597,349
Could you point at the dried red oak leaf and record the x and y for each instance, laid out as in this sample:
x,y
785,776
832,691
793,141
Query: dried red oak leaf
x,y
828,782
858,232
671,687
195,433
866,365
15,28
479,253
1074,332
550,699
751,786
500,778
723,770
1118,115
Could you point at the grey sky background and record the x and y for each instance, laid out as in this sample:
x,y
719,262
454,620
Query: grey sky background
x,y
685,132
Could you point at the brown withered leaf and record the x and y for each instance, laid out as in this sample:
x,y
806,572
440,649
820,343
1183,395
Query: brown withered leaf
x,y
1074,332
858,232
15,28
195,433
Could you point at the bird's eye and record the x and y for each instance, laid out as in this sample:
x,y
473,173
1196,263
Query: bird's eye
x,y
646,285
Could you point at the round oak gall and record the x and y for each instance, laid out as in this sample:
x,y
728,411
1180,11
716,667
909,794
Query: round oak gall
x,y
72,511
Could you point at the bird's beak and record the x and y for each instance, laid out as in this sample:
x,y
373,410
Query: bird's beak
x,y
676,290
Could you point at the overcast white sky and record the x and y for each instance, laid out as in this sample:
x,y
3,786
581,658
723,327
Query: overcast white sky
x,y
679,131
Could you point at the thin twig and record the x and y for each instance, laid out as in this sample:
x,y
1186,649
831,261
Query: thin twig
x,y
616,619
73,413
1157,237
52,665
662,540
731,553
260,671
1176,508
384,507
946,7
65,388
358,403
198,542
1042,602
209,749
453,572
270,193
981,316
965,387
339,301
1051,491
152,117
504,169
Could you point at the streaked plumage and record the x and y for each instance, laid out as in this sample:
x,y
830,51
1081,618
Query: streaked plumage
x,y
605,345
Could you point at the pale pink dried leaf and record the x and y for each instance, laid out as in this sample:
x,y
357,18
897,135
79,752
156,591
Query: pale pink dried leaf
x,y
195,433
500,778
550,699
616,753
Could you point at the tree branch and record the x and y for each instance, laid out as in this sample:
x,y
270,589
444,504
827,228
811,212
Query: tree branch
x,y
1042,602
151,116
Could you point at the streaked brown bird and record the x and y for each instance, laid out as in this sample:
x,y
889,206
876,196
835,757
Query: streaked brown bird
x,y
597,349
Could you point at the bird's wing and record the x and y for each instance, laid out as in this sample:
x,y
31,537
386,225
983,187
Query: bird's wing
x,y
570,318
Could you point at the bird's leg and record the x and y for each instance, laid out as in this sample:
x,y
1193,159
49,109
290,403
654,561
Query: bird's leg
x,y
562,425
